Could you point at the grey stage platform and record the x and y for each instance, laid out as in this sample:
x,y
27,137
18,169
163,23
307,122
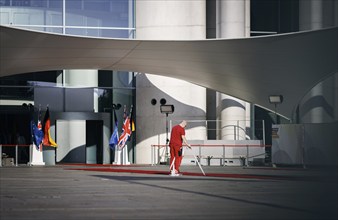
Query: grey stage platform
x,y
57,192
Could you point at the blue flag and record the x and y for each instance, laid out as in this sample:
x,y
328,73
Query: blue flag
x,y
114,139
37,133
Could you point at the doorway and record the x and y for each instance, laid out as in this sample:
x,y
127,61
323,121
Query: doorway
x,y
94,143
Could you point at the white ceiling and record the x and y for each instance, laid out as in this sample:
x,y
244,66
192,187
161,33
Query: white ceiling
x,y
250,68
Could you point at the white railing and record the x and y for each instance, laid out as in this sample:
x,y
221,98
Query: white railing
x,y
223,130
239,153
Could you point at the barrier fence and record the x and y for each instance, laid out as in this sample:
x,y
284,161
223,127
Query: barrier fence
x,y
200,150
212,151
16,158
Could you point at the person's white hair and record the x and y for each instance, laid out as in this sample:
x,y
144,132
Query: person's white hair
x,y
183,123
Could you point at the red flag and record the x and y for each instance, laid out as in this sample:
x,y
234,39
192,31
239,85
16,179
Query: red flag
x,y
126,131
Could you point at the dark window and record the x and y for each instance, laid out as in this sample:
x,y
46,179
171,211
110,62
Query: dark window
x,y
279,16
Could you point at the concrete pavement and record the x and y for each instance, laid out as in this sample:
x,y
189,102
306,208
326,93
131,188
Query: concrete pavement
x,y
148,192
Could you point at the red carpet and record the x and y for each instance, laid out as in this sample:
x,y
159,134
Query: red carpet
x,y
156,172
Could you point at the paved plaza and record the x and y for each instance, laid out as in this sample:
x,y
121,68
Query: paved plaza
x,y
148,192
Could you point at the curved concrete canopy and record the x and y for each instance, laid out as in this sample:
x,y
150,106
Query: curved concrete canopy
x,y
250,69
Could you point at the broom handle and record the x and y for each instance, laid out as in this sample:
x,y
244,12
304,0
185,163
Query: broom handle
x,y
198,163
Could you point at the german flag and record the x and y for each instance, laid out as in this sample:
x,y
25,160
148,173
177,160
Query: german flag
x,y
47,139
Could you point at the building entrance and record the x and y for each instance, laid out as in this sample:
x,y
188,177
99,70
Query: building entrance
x,y
94,145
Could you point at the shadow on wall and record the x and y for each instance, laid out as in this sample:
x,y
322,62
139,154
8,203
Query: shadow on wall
x,y
317,102
76,155
305,144
182,111
283,156
315,156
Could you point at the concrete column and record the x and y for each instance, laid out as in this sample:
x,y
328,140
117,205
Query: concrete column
x,y
171,20
335,9
233,18
168,20
319,105
82,78
310,14
317,14
232,21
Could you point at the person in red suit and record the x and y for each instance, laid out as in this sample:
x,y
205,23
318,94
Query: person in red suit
x,y
177,138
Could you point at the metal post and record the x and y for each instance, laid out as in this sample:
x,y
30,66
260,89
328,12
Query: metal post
x,y
252,121
16,155
303,146
152,155
237,130
30,154
263,128
247,155
0,155
64,17
166,139
157,154
199,153
223,156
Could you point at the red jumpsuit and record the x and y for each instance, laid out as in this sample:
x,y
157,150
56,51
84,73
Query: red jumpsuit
x,y
176,145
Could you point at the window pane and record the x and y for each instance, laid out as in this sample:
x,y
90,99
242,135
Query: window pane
x,y
33,12
100,32
98,13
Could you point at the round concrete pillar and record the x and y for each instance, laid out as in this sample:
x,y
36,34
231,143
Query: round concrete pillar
x,y
232,21
233,18
310,14
319,105
317,14
164,20
171,20
82,78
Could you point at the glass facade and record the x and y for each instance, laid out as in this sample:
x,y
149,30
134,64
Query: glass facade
x,y
98,18
20,94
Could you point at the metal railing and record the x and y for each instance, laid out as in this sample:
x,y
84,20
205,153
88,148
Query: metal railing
x,y
156,155
228,129
16,152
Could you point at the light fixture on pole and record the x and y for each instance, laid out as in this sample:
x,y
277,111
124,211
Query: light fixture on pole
x,y
167,109
275,99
